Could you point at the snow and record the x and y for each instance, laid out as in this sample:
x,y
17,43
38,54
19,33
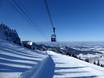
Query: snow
x,y
69,67
19,62
9,75
2,35
15,60
30,43
44,69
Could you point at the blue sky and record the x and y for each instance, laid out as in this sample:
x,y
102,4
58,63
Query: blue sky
x,y
75,20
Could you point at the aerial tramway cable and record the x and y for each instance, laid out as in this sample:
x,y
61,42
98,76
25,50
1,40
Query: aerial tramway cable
x,y
53,36
22,12
49,13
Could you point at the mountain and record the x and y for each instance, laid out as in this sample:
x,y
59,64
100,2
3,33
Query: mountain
x,y
34,60
91,56
9,34
19,62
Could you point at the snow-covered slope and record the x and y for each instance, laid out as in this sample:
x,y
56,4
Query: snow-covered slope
x,y
19,62
69,67
14,60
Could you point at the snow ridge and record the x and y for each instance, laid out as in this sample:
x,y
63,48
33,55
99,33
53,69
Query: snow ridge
x,y
44,69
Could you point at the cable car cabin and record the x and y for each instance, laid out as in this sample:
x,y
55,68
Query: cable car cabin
x,y
53,38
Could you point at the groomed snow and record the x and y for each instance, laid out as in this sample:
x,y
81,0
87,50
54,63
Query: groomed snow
x,y
69,67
